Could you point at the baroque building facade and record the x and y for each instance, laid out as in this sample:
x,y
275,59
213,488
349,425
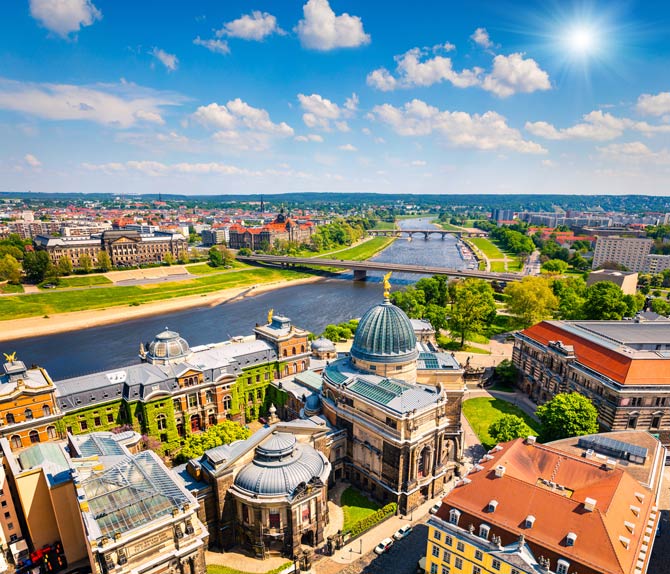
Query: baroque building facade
x,y
282,228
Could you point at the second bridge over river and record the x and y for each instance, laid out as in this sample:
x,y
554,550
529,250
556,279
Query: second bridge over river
x,y
360,268
425,232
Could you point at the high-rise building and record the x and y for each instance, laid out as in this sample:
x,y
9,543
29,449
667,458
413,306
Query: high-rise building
x,y
631,252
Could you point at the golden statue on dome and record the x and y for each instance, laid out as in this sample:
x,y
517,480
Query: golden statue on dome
x,y
270,315
387,285
10,358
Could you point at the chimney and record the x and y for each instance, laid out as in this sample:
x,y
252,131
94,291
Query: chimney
x,y
590,504
500,471
530,439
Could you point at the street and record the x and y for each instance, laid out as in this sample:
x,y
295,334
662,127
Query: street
x,y
403,556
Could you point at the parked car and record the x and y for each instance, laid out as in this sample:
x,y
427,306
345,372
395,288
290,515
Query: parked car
x,y
433,509
402,532
384,546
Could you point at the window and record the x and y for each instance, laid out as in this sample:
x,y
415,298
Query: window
x,y
275,519
7,515
226,403
34,436
454,516
10,419
458,563
476,570
484,530
436,551
433,569
83,425
478,555
460,547
10,526
177,404
259,394
96,421
445,569
51,433
110,418
632,421
209,397
46,410
446,557
495,564
448,540
656,422
193,400
28,413
161,422
562,566
437,535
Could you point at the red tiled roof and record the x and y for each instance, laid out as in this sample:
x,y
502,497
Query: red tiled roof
x,y
519,494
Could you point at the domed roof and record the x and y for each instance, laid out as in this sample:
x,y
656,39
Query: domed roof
x,y
385,335
323,344
280,465
313,405
168,345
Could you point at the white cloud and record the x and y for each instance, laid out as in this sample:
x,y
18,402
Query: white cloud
x,y
657,105
635,153
548,163
513,74
322,113
597,126
418,163
170,61
481,37
255,26
309,138
487,131
155,168
446,47
321,29
64,16
241,125
121,105
32,161
347,147
412,71
216,46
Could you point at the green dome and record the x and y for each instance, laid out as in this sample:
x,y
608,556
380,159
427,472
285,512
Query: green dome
x,y
384,335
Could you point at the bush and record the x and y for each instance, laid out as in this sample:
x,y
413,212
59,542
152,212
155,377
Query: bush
x,y
374,519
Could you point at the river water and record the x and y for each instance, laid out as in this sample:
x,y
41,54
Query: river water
x,y
311,306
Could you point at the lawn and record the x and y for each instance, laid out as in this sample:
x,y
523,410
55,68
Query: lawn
x,y
9,288
498,266
206,269
218,569
482,411
355,506
487,247
446,225
82,281
385,224
64,301
362,251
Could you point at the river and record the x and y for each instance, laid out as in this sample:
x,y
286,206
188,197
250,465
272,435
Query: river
x,y
311,306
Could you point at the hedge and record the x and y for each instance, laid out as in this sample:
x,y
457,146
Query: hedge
x,y
374,519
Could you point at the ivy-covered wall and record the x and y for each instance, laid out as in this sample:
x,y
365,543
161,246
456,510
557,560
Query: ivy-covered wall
x,y
151,415
102,417
248,393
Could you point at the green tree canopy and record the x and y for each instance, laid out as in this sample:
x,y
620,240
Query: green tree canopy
x,y
104,262
531,299
64,265
566,415
473,307
223,433
86,263
508,427
570,292
10,270
556,266
36,264
215,257
605,301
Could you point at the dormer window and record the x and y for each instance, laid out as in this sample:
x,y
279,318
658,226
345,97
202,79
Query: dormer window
x,y
530,520
570,539
484,531
454,516
562,566
492,506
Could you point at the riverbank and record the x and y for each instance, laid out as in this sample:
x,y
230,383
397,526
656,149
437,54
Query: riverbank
x,y
73,321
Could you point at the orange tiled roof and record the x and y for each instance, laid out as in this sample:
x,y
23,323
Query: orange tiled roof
x,y
519,494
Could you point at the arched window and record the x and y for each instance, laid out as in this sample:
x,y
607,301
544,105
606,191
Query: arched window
x,y
212,420
16,441
34,436
285,352
227,403
51,433
161,422
209,397
28,413
10,419
293,351
46,410
423,467
302,348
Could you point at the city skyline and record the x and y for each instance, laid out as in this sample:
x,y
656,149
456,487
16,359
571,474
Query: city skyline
x,y
311,95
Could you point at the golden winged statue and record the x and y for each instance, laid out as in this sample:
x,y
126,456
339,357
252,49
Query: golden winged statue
x,y
387,285
10,358
270,314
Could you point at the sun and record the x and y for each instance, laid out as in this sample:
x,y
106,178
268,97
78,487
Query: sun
x,y
582,40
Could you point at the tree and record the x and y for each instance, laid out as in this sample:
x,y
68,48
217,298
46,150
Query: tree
x,y
658,306
168,258
531,299
223,433
570,292
104,262
411,300
509,427
473,307
506,373
183,257
64,265
86,263
566,415
557,266
36,265
10,270
215,257
605,301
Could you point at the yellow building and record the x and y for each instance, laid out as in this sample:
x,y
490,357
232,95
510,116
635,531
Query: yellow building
x,y
28,411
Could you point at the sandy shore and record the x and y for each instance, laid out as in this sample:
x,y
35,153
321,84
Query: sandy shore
x,y
62,322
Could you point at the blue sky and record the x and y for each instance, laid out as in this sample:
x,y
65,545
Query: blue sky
x,y
247,96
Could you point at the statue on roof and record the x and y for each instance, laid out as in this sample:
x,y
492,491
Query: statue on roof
x,y
11,357
270,315
387,285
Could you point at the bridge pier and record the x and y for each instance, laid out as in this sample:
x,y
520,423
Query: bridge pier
x,y
425,235
360,274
